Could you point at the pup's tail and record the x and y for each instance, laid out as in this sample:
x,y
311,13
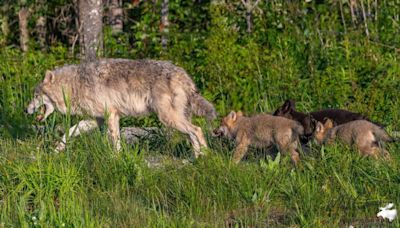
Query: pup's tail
x,y
298,130
201,107
382,135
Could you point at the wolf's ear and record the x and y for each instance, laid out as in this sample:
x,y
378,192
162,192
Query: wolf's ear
x,y
312,121
232,115
49,77
328,123
292,103
288,106
319,127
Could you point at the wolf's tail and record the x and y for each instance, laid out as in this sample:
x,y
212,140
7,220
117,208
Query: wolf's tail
x,y
201,107
382,135
298,130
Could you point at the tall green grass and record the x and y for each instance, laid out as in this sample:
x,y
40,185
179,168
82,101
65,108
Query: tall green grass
x,y
90,185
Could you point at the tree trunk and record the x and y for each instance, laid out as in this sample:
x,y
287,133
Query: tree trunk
x,y
5,27
91,25
41,31
115,16
23,15
164,24
249,6
364,19
249,21
353,6
342,15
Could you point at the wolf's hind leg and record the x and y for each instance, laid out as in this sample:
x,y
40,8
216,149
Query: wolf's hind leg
x,y
369,150
286,143
77,129
113,129
182,124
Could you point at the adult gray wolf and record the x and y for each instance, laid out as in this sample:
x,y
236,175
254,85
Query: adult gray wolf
x,y
114,88
261,130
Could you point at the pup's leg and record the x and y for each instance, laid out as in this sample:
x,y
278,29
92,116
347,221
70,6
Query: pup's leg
x,y
369,150
240,151
113,129
243,143
366,144
287,143
77,129
385,154
292,148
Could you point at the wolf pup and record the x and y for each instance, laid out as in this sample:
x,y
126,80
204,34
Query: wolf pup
x,y
121,87
338,116
261,130
365,135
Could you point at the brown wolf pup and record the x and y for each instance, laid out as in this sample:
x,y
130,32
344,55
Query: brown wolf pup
x,y
122,87
365,135
261,130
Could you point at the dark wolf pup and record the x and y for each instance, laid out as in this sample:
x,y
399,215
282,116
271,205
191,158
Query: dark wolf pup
x,y
261,130
365,135
121,87
309,120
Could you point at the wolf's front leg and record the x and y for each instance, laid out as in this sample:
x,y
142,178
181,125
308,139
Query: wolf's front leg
x,y
242,144
77,129
113,129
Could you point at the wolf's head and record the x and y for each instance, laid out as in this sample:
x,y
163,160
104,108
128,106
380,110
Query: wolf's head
x,y
228,123
309,125
42,99
322,128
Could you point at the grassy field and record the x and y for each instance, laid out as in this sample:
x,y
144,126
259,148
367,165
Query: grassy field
x,y
89,185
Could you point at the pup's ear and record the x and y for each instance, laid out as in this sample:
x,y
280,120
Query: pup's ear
x,y
288,106
49,77
239,113
313,120
292,104
328,123
232,115
319,127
